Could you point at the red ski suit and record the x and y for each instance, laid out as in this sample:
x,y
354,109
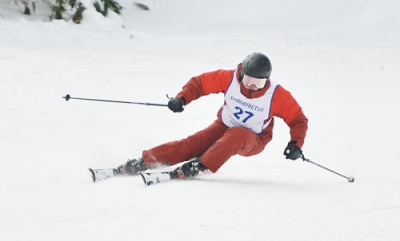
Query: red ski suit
x,y
217,143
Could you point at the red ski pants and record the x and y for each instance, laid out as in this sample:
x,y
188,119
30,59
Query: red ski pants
x,y
214,145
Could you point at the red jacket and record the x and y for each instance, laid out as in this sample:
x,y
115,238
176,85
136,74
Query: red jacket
x,y
283,103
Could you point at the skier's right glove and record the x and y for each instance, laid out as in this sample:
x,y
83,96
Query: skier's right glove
x,y
292,151
175,104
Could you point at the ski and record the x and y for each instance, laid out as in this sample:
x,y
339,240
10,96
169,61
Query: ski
x,y
150,178
101,174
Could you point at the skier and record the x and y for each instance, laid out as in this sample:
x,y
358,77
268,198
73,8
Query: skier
x,y
244,122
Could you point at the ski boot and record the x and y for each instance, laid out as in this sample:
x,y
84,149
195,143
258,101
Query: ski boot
x,y
131,167
189,169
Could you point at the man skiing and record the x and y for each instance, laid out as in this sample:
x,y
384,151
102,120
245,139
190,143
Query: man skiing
x,y
244,122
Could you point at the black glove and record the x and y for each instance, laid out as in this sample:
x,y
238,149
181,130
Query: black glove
x,y
292,151
175,104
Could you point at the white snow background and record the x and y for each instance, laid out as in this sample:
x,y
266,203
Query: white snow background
x,y
340,59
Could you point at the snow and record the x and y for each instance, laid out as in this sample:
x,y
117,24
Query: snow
x,y
338,58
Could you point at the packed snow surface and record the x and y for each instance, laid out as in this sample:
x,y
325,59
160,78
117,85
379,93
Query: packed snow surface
x,y
340,60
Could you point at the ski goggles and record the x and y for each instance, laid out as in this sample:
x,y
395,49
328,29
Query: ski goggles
x,y
249,81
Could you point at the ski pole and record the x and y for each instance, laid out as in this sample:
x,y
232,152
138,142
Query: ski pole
x,y
349,179
68,97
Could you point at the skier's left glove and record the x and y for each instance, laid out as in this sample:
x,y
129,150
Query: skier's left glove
x,y
292,151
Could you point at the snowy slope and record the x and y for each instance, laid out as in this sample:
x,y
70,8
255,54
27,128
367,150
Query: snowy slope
x,y
338,58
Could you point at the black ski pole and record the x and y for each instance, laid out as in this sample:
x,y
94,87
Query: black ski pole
x,y
68,97
349,179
